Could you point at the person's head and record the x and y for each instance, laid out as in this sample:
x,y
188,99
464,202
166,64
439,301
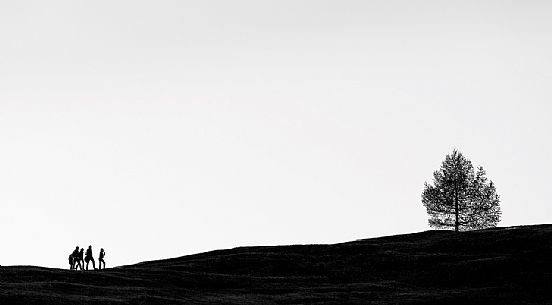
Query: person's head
x,y
77,247
89,247
101,249
82,250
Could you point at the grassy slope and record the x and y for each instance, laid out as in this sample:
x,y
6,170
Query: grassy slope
x,y
499,266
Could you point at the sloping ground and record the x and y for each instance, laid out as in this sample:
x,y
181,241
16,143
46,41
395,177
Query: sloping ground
x,y
498,266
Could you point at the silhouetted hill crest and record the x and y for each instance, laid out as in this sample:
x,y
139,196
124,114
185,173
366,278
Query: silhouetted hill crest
x,y
493,266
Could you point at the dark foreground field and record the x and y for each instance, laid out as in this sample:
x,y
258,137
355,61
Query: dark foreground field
x,y
499,266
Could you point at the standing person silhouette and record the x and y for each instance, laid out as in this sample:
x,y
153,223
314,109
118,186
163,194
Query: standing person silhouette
x,y
71,261
80,259
89,258
101,259
76,261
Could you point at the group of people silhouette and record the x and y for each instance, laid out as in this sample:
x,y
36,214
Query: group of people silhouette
x,y
77,259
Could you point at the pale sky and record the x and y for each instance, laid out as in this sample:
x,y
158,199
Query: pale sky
x,y
157,129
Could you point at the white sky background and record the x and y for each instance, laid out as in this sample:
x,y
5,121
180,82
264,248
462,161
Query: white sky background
x,y
156,129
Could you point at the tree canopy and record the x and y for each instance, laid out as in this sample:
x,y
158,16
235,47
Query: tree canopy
x,y
460,197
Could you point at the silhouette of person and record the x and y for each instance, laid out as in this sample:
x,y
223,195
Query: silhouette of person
x,y
80,259
71,261
89,258
101,259
76,261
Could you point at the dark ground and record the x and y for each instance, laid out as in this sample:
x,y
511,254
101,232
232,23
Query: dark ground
x,y
497,266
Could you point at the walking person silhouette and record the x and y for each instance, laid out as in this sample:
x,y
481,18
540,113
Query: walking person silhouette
x,y
89,258
101,259
71,261
76,261
80,259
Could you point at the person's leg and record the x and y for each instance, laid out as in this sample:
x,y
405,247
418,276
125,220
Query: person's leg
x,y
93,263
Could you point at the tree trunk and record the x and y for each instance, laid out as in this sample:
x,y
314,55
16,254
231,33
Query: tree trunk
x,y
456,222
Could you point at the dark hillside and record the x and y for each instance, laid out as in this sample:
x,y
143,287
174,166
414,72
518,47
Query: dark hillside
x,y
497,266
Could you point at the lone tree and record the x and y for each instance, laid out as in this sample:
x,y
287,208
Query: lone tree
x,y
460,198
